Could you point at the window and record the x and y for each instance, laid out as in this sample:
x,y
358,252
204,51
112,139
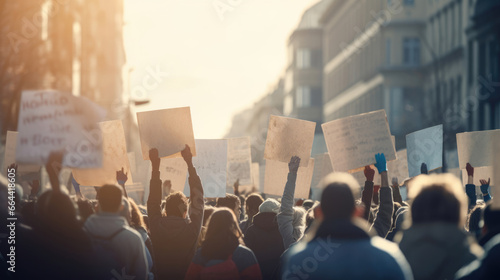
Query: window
x,y
409,2
303,97
388,52
303,58
411,51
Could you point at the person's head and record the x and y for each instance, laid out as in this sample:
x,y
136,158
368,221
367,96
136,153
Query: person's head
x,y
491,219
110,199
56,210
338,197
230,201
223,235
473,223
85,208
270,205
136,218
252,204
438,198
307,204
176,205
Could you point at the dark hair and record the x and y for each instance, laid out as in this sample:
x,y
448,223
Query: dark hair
x,y
176,204
337,201
491,217
85,208
56,210
207,212
223,235
435,204
110,198
253,202
230,201
136,219
473,223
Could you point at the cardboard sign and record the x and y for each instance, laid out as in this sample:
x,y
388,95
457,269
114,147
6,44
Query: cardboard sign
x,y
480,173
175,170
288,137
168,130
277,175
475,148
322,167
352,142
425,146
54,121
114,158
10,156
397,168
239,162
211,166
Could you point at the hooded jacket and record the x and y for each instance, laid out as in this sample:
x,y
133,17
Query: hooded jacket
x,y
437,250
127,244
485,268
264,239
174,238
343,249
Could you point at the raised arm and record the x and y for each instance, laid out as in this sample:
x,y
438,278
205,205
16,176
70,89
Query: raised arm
x,y
196,203
395,191
383,221
285,216
154,199
367,194
53,167
470,188
121,178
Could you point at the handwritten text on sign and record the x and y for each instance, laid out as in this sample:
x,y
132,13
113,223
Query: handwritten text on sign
x,y
352,142
54,121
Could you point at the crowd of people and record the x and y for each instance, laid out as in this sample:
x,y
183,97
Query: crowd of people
x,y
441,231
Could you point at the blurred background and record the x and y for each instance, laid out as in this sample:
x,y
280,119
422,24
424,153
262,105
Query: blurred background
x,y
235,62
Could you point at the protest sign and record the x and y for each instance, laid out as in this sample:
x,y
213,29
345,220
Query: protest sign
x,y
239,162
287,137
211,166
322,167
10,156
115,158
425,146
277,175
53,121
168,130
175,170
475,148
352,142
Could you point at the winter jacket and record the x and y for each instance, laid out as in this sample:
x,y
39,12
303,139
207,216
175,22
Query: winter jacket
x,y
344,249
437,250
127,244
285,216
241,265
485,268
174,238
264,239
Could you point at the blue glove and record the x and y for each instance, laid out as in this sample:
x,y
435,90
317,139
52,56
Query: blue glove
x,y
381,164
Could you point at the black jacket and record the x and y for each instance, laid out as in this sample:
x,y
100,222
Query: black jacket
x,y
265,240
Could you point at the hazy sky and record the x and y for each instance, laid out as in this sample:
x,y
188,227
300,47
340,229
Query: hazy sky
x,y
216,66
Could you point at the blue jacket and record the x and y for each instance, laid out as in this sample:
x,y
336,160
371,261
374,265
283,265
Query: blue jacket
x,y
344,250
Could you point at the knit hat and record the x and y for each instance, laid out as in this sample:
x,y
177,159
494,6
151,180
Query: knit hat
x,y
269,205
